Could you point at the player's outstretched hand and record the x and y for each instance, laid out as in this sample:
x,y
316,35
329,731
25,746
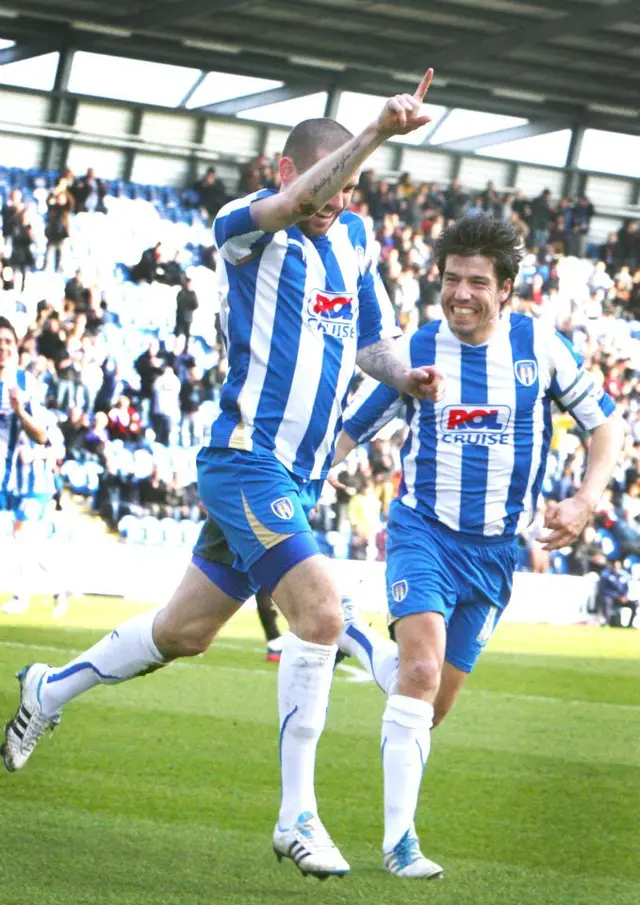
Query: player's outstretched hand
x,y
566,521
425,383
403,112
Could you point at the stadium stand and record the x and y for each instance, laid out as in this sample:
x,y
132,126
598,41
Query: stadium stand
x,y
134,396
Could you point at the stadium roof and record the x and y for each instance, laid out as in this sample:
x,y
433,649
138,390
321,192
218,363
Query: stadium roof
x,y
559,63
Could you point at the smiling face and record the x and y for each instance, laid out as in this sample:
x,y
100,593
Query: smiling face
x,y
472,298
319,223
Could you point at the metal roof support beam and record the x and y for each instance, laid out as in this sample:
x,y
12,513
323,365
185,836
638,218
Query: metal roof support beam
x,y
192,90
590,19
135,127
24,52
333,102
63,109
475,142
258,99
433,128
571,180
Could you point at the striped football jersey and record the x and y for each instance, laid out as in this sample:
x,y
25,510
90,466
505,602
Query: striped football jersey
x,y
476,460
294,311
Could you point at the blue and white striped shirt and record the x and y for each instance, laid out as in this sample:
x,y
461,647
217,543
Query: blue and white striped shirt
x,y
35,473
10,427
294,311
475,461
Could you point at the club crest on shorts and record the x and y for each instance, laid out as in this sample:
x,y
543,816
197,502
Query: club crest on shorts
x,y
283,508
526,370
399,590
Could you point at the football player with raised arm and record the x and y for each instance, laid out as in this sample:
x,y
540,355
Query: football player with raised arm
x,y
301,304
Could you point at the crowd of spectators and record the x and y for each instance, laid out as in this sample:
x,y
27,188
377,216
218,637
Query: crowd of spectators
x,y
130,359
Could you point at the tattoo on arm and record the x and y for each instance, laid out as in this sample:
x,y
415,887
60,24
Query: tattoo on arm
x,y
380,361
337,170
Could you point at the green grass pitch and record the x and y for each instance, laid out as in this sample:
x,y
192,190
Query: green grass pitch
x,y
165,789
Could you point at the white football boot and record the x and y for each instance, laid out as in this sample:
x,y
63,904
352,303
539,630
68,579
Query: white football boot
x,y
407,861
310,848
29,724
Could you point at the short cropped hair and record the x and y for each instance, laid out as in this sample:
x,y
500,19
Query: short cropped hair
x,y
311,135
7,325
482,236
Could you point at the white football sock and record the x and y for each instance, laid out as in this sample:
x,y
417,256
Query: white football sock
x,y
304,682
377,654
406,737
128,651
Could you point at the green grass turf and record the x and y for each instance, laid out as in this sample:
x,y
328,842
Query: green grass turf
x,y
165,789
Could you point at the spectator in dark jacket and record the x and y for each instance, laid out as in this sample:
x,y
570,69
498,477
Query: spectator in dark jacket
x,y
89,192
50,343
613,592
149,267
541,218
149,365
211,193
186,305
77,292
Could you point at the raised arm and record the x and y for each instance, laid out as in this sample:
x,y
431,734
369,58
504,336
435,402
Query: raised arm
x,y
314,188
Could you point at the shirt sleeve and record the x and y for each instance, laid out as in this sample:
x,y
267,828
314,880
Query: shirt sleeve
x,y
235,233
572,387
377,319
375,404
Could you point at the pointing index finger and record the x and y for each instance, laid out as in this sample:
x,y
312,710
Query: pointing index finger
x,y
423,87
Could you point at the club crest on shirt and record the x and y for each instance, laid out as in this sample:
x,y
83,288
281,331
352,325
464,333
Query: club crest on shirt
x,y
399,590
283,508
526,371
332,313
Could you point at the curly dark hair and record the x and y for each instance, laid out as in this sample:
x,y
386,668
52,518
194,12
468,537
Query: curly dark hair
x,y
6,324
482,236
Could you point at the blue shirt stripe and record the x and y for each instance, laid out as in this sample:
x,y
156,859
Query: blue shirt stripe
x,y
283,355
423,352
475,459
521,338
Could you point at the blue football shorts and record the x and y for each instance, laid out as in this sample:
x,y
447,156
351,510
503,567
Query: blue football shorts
x,y
432,569
257,527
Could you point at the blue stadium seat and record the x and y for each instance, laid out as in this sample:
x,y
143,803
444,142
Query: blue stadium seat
x,y
131,529
610,543
558,563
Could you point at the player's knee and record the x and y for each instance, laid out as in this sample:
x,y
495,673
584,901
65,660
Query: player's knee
x,y
423,674
321,624
174,639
